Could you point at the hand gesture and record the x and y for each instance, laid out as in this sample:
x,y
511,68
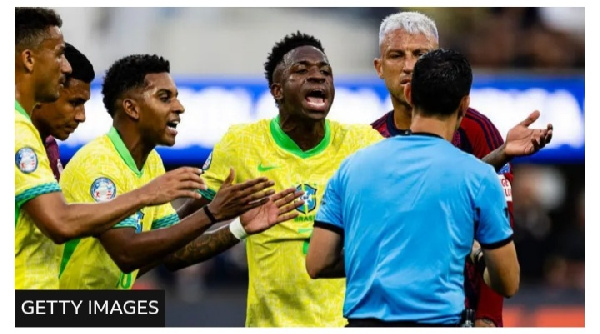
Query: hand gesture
x,y
277,209
233,200
522,141
178,183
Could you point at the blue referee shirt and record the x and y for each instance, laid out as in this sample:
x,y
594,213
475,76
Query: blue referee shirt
x,y
409,208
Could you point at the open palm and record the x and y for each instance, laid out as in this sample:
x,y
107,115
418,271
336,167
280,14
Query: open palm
x,y
521,140
278,209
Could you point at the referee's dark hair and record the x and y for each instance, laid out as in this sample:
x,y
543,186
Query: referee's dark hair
x,y
31,26
440,80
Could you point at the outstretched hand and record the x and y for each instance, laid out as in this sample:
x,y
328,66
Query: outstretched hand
x,y
279,208
522,141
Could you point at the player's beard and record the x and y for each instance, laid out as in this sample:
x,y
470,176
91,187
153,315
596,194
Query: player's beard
x,y
400,99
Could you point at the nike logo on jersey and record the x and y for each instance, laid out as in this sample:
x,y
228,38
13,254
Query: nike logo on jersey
x,y
263,168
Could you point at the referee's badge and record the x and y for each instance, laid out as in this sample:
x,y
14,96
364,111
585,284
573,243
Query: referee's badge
x,y
103,189
26,160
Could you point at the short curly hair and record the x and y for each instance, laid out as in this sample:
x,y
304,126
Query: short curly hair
x,y
287,44
31,24
129,73
82,69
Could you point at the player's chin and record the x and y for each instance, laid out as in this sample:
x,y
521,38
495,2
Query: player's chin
x,y
167,140
62,136
316,114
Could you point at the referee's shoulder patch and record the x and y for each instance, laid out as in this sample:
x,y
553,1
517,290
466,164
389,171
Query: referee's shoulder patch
x,y
26,160
103,189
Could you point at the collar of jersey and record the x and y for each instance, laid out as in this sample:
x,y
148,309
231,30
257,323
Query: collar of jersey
x,y
285,142
115,138
393,130
20,109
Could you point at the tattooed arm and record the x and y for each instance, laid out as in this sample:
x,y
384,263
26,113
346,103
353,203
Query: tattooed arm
x,y
200,249
279,208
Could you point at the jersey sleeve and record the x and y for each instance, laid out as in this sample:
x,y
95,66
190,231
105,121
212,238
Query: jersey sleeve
x,y
330,214
484,137
33,176
493,228
216,167
167,216
84,180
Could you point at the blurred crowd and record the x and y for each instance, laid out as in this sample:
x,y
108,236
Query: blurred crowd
x,y
508,37
549,227
514,37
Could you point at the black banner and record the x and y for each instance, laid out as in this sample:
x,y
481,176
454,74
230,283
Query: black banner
x,y
89,308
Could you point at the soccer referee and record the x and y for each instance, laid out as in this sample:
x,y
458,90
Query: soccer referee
x,y
399,217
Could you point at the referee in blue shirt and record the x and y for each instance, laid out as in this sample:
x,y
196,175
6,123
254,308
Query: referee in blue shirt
x,y
399,218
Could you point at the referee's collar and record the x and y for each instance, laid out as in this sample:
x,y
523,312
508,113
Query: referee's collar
x,y
428,134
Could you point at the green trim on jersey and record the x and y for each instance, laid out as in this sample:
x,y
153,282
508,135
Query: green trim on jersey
x,y
127,222
166,221
67,253
285,142
22,111
209,194
31,193
115,138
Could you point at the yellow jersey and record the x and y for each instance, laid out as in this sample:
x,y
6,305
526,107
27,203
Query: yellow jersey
x,y
36,255
280,292
100,171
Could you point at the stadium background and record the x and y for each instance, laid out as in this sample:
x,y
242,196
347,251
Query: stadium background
x,y
524,59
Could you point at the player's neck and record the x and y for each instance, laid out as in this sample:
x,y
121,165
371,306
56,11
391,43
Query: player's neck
x,y
402,114
24,96
443,127
307,134
135,145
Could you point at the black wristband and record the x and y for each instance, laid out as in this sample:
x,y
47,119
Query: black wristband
x,y
210,216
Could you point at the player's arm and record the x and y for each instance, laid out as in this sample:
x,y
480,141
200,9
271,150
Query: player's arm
x,y
191,205
131,250
61,221
215,170
325,258
279,208
520,141
494,234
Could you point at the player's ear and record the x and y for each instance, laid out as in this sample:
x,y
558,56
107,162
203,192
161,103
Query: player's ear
x,y
277,91
28,60
408,92
131,108
465,102
462,109
377,65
